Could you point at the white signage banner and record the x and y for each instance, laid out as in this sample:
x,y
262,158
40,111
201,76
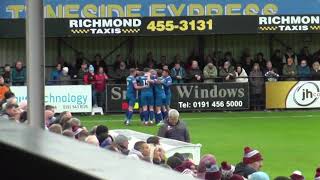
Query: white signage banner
x,y
305,94
73,98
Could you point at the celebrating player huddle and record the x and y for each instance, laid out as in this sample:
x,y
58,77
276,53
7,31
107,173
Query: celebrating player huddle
x,y
154,95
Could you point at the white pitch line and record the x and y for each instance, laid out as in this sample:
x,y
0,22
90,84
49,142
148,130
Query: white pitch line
x,y
243,117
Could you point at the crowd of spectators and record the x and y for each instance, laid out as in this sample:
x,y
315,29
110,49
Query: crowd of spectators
x,y
151,150
216,67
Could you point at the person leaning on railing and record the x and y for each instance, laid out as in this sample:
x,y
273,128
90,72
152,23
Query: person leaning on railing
x,y
290,70
270,72
241,74
194,75
304,71
210,72
227,72
178,73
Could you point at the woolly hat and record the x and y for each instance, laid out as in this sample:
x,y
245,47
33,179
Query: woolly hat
x,y
213,173
237,177
259,176
91,68
226,169
251,156
317,176
297,175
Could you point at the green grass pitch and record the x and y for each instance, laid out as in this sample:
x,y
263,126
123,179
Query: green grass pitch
x,y
287,140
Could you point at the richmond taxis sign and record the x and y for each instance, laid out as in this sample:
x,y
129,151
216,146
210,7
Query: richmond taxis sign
x,y
104,26
289,23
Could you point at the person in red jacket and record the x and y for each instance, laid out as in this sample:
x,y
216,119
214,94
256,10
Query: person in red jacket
x,y
100,87
89,79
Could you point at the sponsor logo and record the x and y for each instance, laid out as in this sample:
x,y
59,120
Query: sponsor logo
x,y
306,94
105,26
289,23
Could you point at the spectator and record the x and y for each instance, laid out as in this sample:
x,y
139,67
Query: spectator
x,y
163,62
68,133
213,173
140,151
117,62
187,168
157,155
237,177
82,72
290,54
276,60
174,162
260,60
228,57
165,67
218,59
18,75
315,72
10,112
79,59
194,75
247,64
155,140
271,73
55,74
241,75
92,139
290,70
256,87
174,128
227,170
259,176
65,79
252,162
80,133
297,175
89,79
150,62
317,176
102,133
100,87
48,118
227,72
56,128
122,73
4,88
305,55
120,145
210,72
304,71
206,160
98,62
178,74
245,53
7,74
177,59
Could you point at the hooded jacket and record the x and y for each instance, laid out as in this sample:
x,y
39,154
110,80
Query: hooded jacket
x,y
178,132
243,170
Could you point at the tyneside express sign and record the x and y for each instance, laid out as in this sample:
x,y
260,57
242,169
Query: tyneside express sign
x,y
190,97
155,8
182,25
